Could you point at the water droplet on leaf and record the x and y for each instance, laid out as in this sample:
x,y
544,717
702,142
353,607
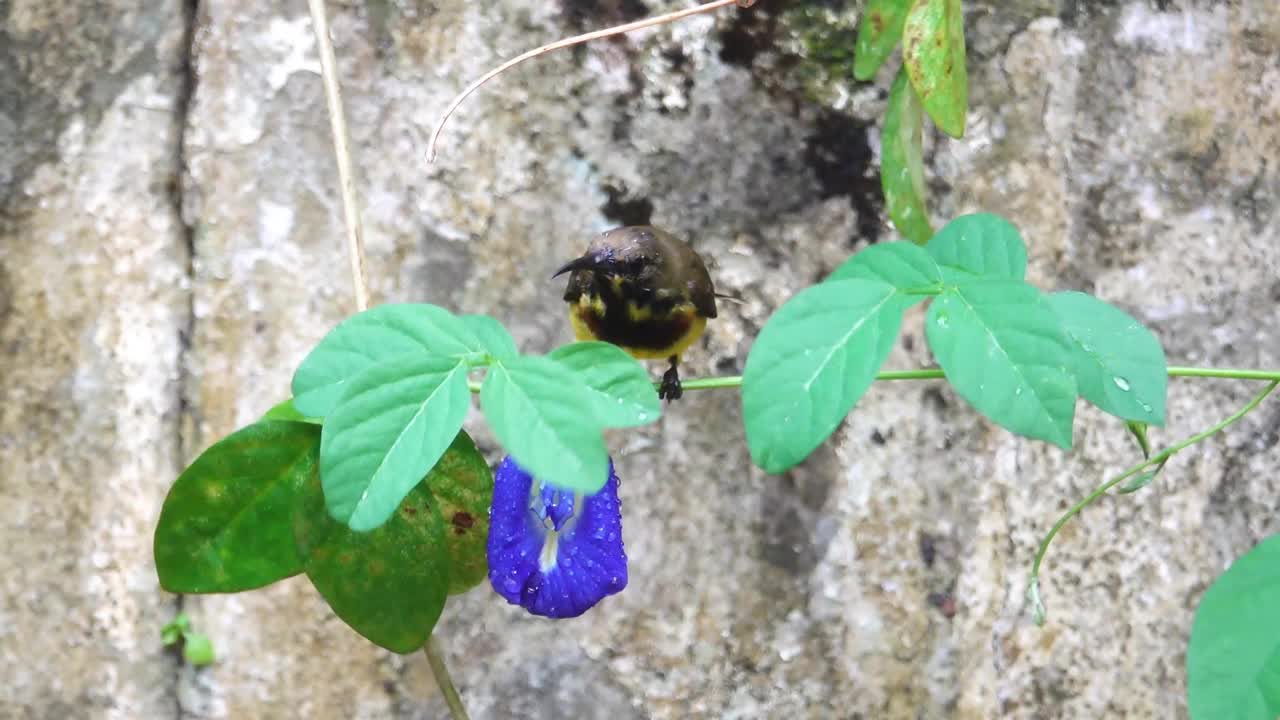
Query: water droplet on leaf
x,y
1121,383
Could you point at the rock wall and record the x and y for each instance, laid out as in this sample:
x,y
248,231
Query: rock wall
x,y
171,246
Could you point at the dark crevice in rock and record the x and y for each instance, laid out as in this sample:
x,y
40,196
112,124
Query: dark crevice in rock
x,y
186,77
177,196
749,34
839,152
625,210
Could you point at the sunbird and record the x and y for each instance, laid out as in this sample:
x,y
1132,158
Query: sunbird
x,y
644,290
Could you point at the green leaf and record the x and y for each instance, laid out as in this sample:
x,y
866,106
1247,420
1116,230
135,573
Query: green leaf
x,y
878,34
1139,432
1119,364
392,423
492,336
462,485
1233,660
197,649
621,392
1141,480
1000,346
1137,482
390,584
373,336
544,415
173,630
980,244
286,411
812,361
1038,612
904,265
902,163
933,55
170,635
226,524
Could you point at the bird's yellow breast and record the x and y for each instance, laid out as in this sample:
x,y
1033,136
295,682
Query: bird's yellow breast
x,y
640,333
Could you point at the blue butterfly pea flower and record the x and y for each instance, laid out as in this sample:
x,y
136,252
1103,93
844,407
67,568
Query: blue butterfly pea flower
x,y
554,552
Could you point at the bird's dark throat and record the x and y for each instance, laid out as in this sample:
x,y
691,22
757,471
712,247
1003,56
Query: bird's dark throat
x,y
664,326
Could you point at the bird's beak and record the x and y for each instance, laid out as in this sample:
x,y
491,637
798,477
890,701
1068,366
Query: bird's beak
x,y
585,262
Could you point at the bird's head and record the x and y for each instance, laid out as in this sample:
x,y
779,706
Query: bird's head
x,y
640,262
626,254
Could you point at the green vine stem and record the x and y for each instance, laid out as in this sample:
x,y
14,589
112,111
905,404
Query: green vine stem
x,y
733,381
1033,588
435,657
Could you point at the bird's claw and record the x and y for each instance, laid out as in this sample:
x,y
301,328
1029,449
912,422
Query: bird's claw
x,y
670,388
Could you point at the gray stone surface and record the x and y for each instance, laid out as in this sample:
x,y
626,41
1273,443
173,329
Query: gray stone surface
x,y
170,247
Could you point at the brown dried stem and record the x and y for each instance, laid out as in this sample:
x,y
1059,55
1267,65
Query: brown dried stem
x,y
341,149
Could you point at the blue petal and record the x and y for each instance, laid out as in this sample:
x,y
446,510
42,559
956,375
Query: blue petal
x,y
549,552
559,505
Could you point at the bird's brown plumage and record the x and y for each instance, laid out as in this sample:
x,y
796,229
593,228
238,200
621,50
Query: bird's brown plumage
x,y
642,289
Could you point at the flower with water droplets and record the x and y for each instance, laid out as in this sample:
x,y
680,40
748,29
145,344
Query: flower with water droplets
x,y
554,552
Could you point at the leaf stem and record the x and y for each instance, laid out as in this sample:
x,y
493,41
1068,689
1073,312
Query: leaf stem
x,y
342,150
1158,459
568,42
435,657
1231,373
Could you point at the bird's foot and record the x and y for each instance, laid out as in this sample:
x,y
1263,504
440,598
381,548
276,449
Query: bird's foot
x,y
670,389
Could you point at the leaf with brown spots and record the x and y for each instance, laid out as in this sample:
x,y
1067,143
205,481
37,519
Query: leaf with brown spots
x,y
462,486
227,523
933,53
878,35
390,584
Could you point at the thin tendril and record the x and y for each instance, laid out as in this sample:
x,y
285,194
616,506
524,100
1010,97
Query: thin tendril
x,y
569,42
1155,460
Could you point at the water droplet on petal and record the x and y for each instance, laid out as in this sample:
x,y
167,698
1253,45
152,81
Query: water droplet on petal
x,y
1121,383
1146,407
943,320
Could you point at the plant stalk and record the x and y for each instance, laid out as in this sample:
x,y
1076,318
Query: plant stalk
x,y
435,657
